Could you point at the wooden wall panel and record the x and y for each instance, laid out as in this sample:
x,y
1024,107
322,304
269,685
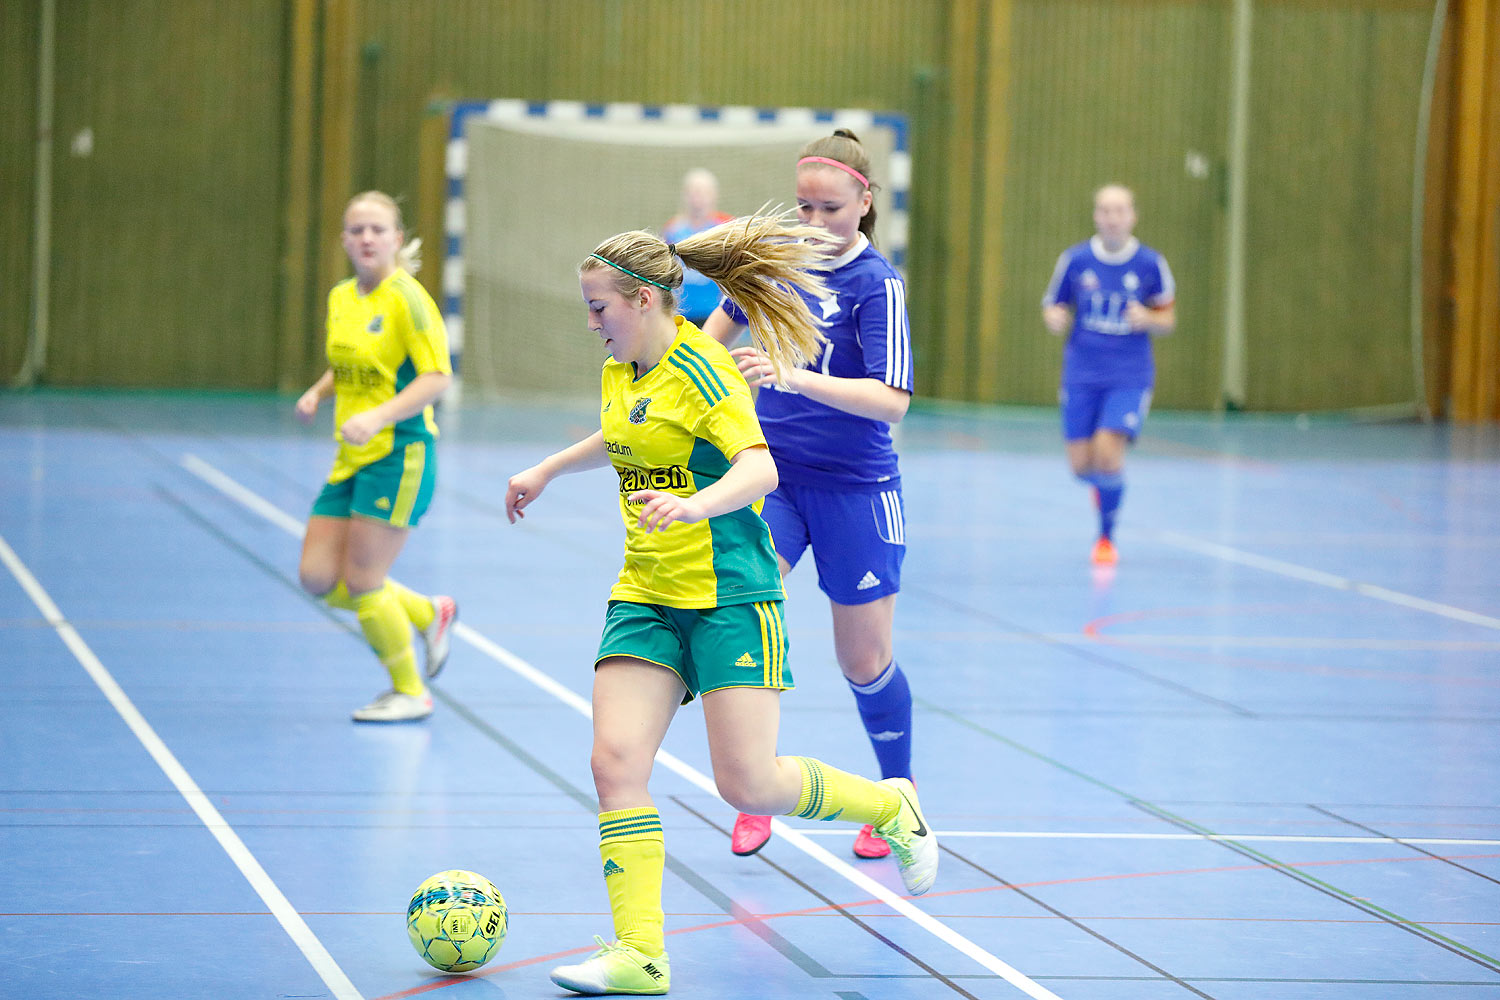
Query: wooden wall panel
x,y
1473,241
1111,92
195,242
1334,110
167,224
19,20
770,53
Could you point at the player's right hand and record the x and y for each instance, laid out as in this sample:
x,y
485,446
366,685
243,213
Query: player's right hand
x,y
523,488
1057,318
307,405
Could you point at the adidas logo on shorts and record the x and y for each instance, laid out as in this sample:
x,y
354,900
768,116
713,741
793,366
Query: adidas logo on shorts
x,y
867,581
745,660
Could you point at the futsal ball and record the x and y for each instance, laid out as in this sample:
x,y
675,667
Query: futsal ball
x,y
457,920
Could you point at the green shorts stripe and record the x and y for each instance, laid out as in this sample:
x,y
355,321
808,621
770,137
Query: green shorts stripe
x,y
396,488
412,466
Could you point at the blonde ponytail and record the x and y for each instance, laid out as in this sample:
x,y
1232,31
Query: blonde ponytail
x,y
760,261
409,257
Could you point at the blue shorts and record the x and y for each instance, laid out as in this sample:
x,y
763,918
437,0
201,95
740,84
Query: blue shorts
x,y
858,539
1090,408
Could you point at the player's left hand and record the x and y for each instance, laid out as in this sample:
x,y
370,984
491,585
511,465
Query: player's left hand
x,y
360,428
661,509
756,368
1138,316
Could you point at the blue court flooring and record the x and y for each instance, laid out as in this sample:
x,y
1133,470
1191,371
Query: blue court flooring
x,y
1260,759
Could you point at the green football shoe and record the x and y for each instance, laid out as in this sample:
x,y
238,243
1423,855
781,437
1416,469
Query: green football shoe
x,y
616,968
912,839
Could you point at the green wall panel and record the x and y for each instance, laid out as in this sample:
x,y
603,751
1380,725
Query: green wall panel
x,y
1333,124
1115,92
19,26
166,232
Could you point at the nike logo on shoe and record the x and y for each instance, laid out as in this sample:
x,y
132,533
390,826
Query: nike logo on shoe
x,y
921,830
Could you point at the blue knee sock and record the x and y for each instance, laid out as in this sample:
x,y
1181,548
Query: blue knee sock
x,y
885,706
1111,486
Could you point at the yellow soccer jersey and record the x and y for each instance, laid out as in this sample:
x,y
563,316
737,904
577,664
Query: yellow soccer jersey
x,y
674,429
377,344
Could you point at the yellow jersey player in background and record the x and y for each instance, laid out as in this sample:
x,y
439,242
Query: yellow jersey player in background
x,y
388,362
697,609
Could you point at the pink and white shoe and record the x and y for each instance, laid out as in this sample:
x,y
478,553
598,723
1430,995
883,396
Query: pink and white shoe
x,y
868,845
437,636
750,834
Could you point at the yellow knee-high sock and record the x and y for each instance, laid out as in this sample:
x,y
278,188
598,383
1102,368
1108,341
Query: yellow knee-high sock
x,y
339,597
634,855
418,607
389,634
828,793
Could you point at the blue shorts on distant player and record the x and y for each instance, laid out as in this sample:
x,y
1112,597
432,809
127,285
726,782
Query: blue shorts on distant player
x,y
858,538
1090,408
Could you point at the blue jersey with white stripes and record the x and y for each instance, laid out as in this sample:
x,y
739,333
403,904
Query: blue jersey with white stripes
x,y
864,319
1102,348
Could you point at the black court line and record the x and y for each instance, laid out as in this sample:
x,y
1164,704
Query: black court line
x,y
933,973
1079,652
1410,926
1162,973
1410,846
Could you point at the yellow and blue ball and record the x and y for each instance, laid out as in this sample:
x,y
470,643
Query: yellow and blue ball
x,y
457,920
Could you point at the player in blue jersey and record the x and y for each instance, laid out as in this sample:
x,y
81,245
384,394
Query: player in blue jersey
x,y
829,428
700,211
1110,294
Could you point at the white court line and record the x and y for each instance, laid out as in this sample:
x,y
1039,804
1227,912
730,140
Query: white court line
x,y
1323,579
578,703
291,921
1280,642
1246,837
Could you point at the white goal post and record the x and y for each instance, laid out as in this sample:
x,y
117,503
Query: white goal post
x,y
533,186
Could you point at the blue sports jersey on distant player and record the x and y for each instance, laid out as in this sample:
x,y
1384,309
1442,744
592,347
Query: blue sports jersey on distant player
x,y
864,319
699,296
1098,285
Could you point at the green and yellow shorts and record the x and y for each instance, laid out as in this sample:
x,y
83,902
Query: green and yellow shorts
x,y
396,489
737,645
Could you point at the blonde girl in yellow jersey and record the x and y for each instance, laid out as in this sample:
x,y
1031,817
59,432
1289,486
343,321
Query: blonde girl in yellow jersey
x,y
697,607
388,362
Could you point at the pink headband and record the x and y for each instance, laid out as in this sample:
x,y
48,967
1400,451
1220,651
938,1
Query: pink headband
x,y
835,163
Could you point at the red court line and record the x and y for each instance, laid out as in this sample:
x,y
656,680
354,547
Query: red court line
x,y
438,984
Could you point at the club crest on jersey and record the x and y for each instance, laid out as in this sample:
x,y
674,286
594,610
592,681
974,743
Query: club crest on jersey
x,y
1130,281
1088,280
376,324
638,411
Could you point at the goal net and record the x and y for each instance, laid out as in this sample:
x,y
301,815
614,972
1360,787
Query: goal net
x,y
534,187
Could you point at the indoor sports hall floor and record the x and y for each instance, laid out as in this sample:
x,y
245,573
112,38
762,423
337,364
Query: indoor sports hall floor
x,y
1261,762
